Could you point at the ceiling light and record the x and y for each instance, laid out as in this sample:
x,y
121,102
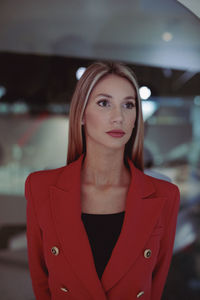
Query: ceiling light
x,y
145,92
80,72
167,36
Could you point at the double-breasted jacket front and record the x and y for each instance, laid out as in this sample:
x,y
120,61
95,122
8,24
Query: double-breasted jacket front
x,y
60,257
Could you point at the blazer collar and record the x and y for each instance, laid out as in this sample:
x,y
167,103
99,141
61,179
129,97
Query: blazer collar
x,y
72,172
142,212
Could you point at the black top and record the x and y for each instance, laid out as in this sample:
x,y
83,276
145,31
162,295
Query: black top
x,y
103,232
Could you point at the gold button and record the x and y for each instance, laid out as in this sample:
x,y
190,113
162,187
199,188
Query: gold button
x,y
140,294
55,250
147,253
64,289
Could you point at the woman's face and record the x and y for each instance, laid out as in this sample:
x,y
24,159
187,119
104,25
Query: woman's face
x,y
110,113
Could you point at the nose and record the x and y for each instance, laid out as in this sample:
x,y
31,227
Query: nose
x,y
117,115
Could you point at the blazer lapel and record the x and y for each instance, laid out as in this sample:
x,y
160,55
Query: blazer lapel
x,y
66,211
141,215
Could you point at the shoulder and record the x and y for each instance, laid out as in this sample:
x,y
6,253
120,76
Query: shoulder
x,y
41,180
152,186
38,185
154,182
167,191
162,186
44,177
167,194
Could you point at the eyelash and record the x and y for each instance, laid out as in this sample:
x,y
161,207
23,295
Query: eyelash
x,y
107,102
102,101
132,105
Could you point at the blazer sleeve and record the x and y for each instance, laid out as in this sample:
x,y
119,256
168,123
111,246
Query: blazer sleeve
x,y
166,247
38,270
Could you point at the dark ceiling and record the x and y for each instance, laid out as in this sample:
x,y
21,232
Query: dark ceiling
x,y
51,79
42,43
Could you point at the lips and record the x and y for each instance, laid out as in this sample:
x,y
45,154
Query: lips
x,y
116,133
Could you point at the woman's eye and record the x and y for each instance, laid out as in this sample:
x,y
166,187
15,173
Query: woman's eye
x,y
129,105
103,103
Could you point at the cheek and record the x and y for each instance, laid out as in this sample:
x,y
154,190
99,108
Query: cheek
x,y
93,120
131,119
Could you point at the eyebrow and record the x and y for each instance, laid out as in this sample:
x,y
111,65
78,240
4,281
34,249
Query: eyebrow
x,y
104,95
109,96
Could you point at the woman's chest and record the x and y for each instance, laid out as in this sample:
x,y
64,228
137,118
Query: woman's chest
x,y
103,200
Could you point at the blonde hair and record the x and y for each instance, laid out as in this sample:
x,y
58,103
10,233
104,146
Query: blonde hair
x,y
84,87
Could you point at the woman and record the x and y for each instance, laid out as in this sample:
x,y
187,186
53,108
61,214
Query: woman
x,y
99,228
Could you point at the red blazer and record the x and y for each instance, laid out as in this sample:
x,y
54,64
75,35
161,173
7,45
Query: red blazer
x,y
60,258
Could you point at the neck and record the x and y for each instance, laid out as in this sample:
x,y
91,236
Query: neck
x,y
105,169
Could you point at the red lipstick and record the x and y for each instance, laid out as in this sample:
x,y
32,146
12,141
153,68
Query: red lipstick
x,y
117,133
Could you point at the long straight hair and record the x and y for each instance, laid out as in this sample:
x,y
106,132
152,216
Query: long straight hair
x,y
76,139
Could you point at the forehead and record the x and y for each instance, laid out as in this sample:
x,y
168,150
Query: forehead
x,y
114,84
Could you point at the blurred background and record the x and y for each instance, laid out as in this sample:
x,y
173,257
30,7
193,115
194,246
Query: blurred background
x,y
44,48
